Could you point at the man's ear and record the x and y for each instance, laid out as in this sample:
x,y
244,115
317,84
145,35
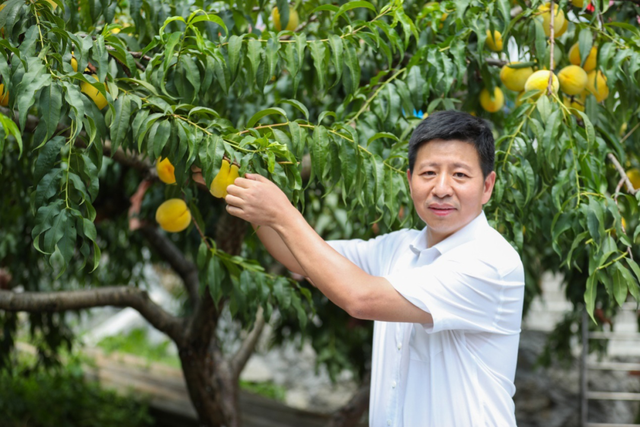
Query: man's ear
x,y
489,182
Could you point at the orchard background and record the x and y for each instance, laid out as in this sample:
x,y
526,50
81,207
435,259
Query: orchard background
x,y
102,98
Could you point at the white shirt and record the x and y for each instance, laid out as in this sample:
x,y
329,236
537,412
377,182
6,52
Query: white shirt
x,y
458,371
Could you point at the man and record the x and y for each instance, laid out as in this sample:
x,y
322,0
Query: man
x,y
447,300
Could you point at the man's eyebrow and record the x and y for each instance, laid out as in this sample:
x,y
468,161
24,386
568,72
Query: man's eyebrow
x,y
436,164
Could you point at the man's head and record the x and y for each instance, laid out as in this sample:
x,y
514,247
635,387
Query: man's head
x,y
448,125
451,157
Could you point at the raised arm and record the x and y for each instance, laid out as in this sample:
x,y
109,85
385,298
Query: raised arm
x,y
261,202
277,248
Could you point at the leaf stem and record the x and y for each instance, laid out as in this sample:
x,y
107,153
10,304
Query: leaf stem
x,y
371,98
513,136
602,267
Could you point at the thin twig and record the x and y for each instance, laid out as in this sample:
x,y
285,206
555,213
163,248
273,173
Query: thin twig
x,y
630,132
202,236
623,174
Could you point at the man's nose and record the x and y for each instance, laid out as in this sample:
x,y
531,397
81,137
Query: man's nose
x,y
442,187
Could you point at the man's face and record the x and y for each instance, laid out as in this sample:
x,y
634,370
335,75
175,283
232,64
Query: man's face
x,y
447,187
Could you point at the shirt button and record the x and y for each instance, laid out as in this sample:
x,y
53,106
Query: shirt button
x,y
388,422
393,384
399,346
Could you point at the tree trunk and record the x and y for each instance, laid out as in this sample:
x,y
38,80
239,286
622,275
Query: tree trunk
x,y
212,388
211,381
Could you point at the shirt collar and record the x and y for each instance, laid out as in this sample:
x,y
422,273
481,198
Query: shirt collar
x,y
461,236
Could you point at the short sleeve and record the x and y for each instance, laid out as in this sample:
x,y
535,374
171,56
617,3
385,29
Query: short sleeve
x,y
470,296
363,253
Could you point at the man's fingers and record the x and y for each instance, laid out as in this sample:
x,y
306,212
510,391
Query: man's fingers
x,y
255,177
233,200
234,189
235,211
243,182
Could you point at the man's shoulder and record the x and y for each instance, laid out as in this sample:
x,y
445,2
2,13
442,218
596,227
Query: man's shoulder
x,y
491,248
395,239
388,241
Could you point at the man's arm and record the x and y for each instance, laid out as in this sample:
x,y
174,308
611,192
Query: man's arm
x,y
363,296
278,249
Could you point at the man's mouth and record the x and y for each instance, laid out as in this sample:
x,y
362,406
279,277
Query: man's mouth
x,y
441,210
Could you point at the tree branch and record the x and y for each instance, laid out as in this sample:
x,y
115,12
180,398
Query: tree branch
x,y
241,357
623,174
116,296
176,259
495,62
133,161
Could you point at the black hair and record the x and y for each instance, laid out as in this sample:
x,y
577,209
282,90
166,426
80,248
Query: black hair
x,y
448,125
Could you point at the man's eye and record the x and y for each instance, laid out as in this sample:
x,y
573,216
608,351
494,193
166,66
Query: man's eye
x,y
428,173
460,175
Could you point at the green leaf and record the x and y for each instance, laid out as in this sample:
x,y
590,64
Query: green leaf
x,y
254,53
585,42
590,295
337,49
193,73
203,253
620,277
216,275
329,7
382,135
283,11
47,157
221,72
544,108
35,79
354,68
319,150
48,186
350,6
120,124
10,128
169,48
408,26
211,18
51,107
266,112
318,54
234,48
633,284
349,161
160,138
298,105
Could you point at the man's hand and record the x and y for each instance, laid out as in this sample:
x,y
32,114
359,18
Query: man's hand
x,y
259,201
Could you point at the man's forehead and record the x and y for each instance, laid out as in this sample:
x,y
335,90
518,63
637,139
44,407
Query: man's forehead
x,y
456,151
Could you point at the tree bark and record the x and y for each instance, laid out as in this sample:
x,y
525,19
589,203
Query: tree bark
x,y
212,388
211,380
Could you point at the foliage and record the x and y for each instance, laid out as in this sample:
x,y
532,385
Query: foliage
x,y
136,342
198,82
265,388
63,398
